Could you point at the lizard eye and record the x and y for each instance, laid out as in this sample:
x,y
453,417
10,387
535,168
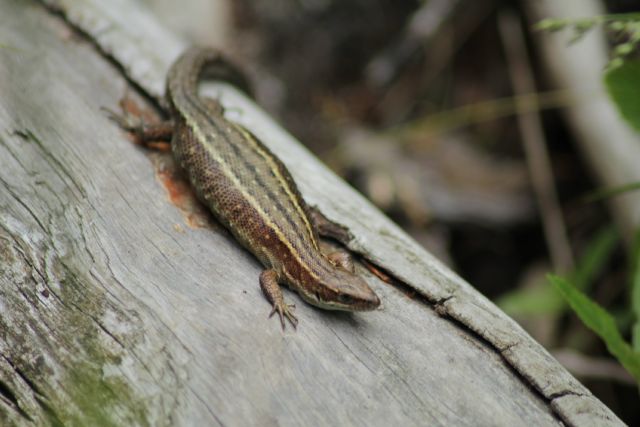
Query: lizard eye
x,y
345,299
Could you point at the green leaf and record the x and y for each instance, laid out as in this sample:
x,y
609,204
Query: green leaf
x,y
550,24
544,299
601,322
623,85
605,193
596,255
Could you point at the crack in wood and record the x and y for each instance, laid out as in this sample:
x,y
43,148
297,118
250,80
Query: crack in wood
x,y
10,399
440,307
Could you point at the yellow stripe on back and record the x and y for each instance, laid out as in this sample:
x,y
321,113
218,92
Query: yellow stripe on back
x,y
274,166
229,173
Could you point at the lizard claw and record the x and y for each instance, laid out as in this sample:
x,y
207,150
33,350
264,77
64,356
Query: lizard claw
x,y
285,310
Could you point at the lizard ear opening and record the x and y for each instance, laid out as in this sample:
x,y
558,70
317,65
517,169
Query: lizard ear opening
x,y
318,296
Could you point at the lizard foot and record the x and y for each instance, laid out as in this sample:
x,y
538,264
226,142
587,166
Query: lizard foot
x,y
285,310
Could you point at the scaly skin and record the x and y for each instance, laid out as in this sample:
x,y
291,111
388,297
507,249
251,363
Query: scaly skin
x,y
251,193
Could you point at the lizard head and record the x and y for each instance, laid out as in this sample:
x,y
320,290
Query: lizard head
x,y
342,290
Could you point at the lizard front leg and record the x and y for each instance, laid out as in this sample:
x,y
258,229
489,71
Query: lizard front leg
x,y
271,289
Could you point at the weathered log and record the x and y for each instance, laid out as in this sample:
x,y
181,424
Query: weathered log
x,y
120,308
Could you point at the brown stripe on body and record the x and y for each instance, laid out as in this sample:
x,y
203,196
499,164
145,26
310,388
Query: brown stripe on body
x,y
265,176
260,173
231,207
243,176
286,182
214,188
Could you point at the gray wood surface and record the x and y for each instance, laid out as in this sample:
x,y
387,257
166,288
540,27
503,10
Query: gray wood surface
x,y
117,310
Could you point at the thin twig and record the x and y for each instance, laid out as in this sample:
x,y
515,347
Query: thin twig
x,y
535,145
593,367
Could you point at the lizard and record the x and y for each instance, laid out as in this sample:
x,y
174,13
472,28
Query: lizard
x,y
250,191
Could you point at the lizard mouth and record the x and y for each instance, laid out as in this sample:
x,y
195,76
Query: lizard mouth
x,y
370,302
346,302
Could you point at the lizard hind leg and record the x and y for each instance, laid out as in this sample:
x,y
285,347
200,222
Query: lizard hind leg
x,y
271,289
327,228
151,135
213,105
